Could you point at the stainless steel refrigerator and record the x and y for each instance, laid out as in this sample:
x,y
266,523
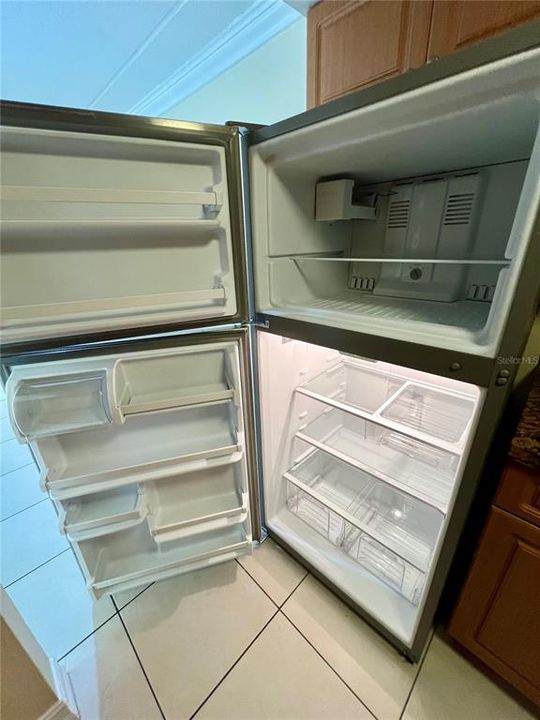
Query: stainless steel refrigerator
x,y
309,329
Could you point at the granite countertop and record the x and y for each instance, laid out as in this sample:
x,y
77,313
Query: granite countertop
x,y
525,447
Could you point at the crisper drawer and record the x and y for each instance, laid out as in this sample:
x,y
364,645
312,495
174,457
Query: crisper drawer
x,y
389,533
131,558
51,405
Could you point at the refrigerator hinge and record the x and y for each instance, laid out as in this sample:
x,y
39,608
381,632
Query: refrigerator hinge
x,y
261,323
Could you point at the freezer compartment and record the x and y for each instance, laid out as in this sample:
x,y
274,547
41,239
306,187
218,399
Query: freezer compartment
x,y
132,558
424,471
429,243
146,446
102,513
197,502
105,232
401,523
41,406
196,376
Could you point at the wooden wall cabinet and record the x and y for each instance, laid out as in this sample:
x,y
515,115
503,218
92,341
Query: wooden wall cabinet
x,y
355,43
458,23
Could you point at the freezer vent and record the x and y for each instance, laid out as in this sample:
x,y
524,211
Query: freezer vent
x,y
398,214
481,292
363,283
458,209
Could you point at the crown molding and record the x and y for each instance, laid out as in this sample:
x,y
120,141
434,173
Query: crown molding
x,y
255,26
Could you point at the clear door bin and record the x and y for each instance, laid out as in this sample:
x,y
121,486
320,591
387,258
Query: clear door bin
x,y
132,558
205,499
102,513
54,405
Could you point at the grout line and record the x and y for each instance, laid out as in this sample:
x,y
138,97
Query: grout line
x,y
330,666
4,474
235,663
36,568
119,615
62,657
8,517
420,665
116,611
294,589
257,584
134,597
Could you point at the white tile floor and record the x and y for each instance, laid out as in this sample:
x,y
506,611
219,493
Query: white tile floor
x,y
258,638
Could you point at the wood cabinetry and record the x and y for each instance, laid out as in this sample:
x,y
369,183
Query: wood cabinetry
x,y
355,43
359,42
498,614
458,23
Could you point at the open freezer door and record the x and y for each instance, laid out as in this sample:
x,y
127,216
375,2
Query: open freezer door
x,y
114,222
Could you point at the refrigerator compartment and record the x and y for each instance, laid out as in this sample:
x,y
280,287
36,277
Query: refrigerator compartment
x,y
146,446
196,502
354,385
41,406
384,564
403,524
123,232
131,558
197,376
103,513
438,413
421,470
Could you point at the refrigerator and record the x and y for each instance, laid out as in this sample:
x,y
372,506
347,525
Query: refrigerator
x,y
307,330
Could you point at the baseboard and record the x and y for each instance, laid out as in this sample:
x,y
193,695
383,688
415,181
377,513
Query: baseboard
x,y
58,711
64,690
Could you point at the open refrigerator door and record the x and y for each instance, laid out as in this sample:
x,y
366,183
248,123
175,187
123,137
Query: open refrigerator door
x,y
144,456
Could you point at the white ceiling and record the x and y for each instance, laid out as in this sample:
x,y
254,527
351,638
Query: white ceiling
x,y
137,56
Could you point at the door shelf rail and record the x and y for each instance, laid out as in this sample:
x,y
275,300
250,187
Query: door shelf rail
x,y
131,558
74,487
87,517
16,316
234,514
108,196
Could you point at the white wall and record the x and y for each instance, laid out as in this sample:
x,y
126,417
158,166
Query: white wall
x,y
266,86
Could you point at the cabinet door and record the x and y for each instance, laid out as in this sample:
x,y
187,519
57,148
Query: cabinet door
x,y
356,43
458,23
497,617
519,492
